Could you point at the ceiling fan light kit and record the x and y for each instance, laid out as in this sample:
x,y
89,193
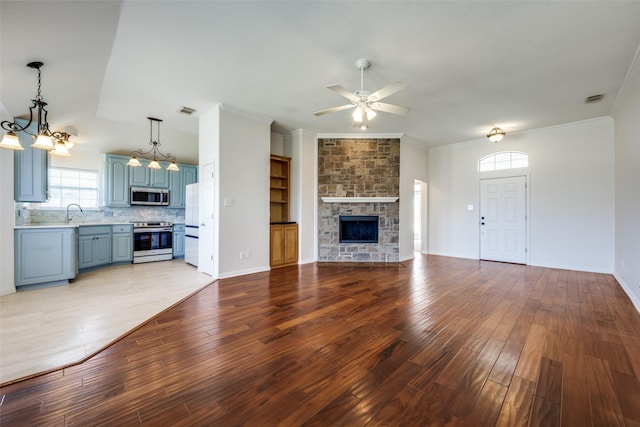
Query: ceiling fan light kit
x,y
496,134
365,102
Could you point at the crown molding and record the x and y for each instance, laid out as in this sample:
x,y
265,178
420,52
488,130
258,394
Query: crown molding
x,y
628,81
359,135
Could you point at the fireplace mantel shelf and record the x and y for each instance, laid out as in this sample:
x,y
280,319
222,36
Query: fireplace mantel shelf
x,y
360,199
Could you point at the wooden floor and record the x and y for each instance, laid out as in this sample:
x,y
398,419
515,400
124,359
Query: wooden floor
x,y
438,341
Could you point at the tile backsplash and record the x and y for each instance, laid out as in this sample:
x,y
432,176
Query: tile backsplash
x,y
26,215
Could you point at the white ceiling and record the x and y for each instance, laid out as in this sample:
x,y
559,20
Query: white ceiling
x,y
468,65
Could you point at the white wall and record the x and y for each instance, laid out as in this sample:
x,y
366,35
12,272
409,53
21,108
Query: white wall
x,y
243,177
300,145
627,158
413,165
571,195
7,220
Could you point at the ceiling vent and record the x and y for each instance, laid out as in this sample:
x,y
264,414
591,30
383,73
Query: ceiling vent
x,y
186,110
594,98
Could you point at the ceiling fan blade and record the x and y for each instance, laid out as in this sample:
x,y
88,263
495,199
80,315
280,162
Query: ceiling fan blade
x,y
334,109
343,92
387,91
389,108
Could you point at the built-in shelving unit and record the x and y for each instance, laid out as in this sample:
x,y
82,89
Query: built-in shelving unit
x,y
284,234
279,188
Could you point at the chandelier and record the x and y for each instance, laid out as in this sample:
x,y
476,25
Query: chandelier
x,y
154,154
44,137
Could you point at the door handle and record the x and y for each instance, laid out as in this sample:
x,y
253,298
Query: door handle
x,y
482,223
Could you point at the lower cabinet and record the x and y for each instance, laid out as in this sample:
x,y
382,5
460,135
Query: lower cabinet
x,y
94,246
178,240
283,244
122,243
45,256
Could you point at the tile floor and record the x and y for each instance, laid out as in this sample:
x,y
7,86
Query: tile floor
x,y
45,329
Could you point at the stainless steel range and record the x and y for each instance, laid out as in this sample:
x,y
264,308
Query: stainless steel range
x,y
152,241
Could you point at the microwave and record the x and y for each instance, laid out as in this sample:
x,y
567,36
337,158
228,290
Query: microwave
x,y
149,196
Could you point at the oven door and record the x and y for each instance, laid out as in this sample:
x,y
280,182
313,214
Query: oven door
x,y
151,240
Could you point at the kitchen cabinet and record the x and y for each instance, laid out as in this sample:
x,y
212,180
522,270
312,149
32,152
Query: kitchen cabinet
x,y
122,243
44,256
30,169
283,244
94,246
117,178
177,183
115,181
142,176
178,240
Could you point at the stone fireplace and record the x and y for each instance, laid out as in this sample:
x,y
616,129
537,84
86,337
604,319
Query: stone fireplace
x,y
358,178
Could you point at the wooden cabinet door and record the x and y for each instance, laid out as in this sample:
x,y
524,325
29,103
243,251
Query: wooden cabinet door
x,y
291,244
277,256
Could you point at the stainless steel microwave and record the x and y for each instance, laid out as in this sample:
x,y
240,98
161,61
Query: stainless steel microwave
x,y
149,196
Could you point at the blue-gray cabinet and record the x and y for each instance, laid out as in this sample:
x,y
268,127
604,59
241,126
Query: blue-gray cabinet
x,y
30,169
177,184
115,181
122,243
178,240
142,176
117,178
44,256
94,246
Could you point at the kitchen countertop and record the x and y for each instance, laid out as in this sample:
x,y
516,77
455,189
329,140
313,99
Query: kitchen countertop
x,y
73,225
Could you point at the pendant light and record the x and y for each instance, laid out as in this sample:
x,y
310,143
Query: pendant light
x,y
62,146
43,135
154,154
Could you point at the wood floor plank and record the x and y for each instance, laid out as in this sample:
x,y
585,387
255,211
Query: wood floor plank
x,y
438,342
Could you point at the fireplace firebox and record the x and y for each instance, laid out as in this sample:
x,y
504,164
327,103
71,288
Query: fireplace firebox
x,y
358,229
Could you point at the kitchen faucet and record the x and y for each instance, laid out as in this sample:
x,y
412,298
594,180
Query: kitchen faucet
x,y
68,218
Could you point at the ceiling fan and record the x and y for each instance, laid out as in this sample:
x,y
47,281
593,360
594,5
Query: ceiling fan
x,y
365,102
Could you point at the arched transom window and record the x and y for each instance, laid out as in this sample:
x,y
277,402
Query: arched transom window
x,y
503,160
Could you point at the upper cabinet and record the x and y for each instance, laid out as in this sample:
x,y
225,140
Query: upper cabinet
x,y
30,169
142,176
279,188
178,182
117,178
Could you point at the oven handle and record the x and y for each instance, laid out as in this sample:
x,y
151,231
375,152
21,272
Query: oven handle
x,y
151,229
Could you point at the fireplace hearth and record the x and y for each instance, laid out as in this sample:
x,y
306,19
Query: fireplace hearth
x,y
358,229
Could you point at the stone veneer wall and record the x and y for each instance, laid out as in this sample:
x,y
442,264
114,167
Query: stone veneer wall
x,y
358,168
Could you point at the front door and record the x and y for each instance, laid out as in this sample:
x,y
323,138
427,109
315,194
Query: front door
x,y
503,219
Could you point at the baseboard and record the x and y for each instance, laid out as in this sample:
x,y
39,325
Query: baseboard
x,y
628,290
243,272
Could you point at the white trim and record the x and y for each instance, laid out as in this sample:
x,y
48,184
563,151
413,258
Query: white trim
x,y
360,199
628,81
244,272
634,299
526,131
359,135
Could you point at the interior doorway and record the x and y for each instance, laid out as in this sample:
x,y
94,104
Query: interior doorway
x,y
419,216
503,219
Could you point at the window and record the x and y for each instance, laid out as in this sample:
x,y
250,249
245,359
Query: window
x,y
72,186
503,160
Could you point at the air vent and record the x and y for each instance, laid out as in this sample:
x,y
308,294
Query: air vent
x,y
186,110
594,98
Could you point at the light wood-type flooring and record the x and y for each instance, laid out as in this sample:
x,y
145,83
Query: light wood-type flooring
x,y
437,341
47,328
